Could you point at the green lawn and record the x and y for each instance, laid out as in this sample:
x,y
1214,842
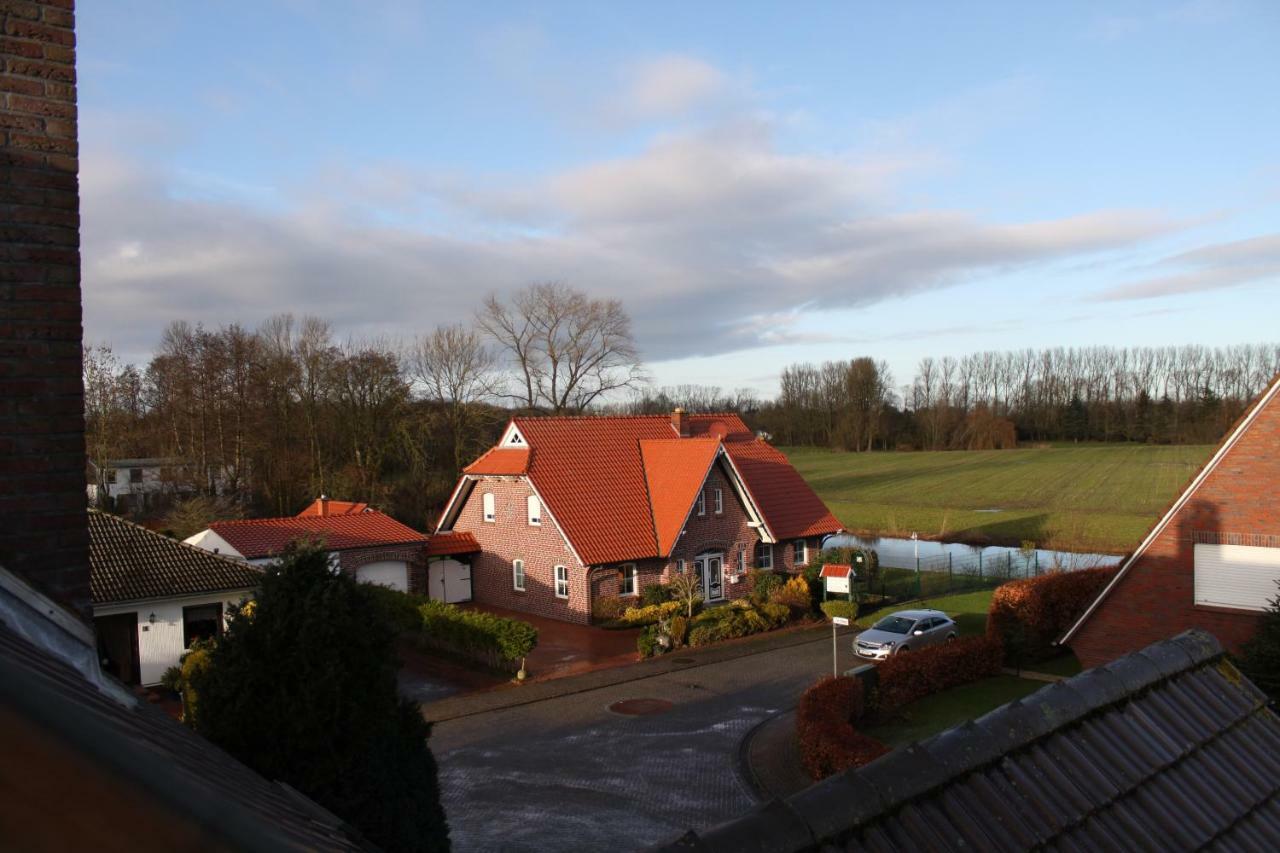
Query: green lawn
x,y
942,711
1089,497
968,609
1064,665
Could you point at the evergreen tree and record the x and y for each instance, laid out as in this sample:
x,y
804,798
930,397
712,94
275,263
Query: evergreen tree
x,y
302,688
1260,657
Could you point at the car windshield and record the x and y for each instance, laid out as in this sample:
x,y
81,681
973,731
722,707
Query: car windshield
x,y
895,624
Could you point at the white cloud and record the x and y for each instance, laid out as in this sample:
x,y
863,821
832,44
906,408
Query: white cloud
x,y
671,86
1212,267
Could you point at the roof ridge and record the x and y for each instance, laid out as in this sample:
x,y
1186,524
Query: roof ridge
x,y
663,416
168,539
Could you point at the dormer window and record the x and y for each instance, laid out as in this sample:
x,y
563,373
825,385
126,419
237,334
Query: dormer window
x,y
702,503
490,508
535,510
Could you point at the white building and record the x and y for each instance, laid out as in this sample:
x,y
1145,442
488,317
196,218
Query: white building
x,y
139,484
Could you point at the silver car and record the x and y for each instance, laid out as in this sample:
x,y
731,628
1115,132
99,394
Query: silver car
x,y
904,631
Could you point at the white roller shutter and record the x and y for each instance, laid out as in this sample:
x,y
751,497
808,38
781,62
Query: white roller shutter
x,y
1241,576
392,573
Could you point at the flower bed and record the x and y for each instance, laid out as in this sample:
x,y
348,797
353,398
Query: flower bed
x,y
492,640
1029,615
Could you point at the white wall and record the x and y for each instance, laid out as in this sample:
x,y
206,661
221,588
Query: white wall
x,y
207,540
160,644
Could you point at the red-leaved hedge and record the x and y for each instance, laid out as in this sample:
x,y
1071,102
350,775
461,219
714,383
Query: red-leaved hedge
x,y
1028,615
824,727
904,678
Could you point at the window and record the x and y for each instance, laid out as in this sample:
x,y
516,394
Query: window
x,y
535,510
764,555
627,581
742,561
135,475
702,503
719,494
681,567
517,575
1238,576
799,552
490,510
562,582
202,622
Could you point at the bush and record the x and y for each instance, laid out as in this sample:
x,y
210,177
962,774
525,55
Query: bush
x,y
395,609
193,666
492,640
836,607
824,728
740,618
795,595
1260,656
704,634
1027,616
647,642
679,631
904,678
655,593
171,680
652,613
776,615
763,584
607,607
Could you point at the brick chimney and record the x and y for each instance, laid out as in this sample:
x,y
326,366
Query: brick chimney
x,y
43,526
679,422
324,505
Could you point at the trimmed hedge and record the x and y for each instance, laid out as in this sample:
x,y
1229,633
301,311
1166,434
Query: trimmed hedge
x,y
1028,615
652,613
398,610
904,678
838,607
824,727
493,640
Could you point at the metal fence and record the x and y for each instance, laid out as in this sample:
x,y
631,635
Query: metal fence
x,y
948,574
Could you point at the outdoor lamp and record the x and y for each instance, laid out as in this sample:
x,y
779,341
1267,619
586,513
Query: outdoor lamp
x,y
152,618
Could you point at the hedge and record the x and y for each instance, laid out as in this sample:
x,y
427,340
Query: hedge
x,y
839,607
824,727
652,613
493,640
829,710
1028,615
741,618
398,610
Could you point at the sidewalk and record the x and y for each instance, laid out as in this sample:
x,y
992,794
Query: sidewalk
x,y
512,695
770,758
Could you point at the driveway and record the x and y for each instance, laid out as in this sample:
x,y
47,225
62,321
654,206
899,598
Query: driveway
x,y
567,773
567,649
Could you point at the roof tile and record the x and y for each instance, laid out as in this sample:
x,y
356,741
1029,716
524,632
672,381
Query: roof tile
x,y
268,537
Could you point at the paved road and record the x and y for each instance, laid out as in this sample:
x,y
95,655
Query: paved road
x,y
568,774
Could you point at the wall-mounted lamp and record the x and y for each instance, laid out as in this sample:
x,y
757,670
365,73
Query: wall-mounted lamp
x,y
152,618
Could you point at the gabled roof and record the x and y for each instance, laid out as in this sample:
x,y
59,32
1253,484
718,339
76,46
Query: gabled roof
x,y
1169,746
620,487
836,570
131,563
449,544
1271,396
325,506
268,537
674,473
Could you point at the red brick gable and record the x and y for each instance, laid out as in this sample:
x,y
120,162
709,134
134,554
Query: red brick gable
x,y
266,537
1233,499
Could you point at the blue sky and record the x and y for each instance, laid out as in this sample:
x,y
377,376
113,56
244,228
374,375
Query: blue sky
x,y
759,183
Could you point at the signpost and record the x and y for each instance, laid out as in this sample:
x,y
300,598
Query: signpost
x,y
835,665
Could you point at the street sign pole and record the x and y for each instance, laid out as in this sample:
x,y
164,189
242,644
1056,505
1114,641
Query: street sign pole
x,y
835,655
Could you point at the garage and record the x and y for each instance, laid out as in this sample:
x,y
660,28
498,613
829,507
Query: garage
x,y
392,573
450,581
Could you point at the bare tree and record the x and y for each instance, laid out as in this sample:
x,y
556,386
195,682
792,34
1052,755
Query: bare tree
x,y
455,369
567,350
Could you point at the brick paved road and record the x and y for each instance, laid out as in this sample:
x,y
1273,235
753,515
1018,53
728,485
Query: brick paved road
x,y
568,774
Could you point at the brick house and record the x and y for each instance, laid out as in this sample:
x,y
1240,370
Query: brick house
x,y
567,510
1212,561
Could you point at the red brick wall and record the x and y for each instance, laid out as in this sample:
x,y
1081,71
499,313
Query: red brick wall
x,y
511,537
1156,597
43,530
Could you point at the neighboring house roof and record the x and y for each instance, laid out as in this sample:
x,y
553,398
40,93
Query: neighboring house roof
x,y
324,506
450,544
131,563
1271,396
268,537
617,494
49,677
1169,746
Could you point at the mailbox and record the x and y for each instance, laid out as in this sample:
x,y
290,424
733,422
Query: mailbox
x,y
837,578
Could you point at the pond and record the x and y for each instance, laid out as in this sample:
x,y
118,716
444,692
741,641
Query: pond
x,y
900,553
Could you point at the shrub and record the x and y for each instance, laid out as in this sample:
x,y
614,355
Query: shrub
x,y
794,594
655,593
763,584
904,678
607,607
395,609
1027,616
489,639
652,613
777,615
828,740
647,642
171,680
1260,656
679,630
836,607
704,634
194,665
687,589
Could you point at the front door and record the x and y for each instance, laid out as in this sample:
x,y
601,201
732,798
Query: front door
x,y
711,568
118,645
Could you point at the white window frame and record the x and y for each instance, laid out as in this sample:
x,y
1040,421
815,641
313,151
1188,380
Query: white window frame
x,y
681,567
719,502
489,507
800,552
562,581
702,502
517,575
764,556
742,560
632,574
535,510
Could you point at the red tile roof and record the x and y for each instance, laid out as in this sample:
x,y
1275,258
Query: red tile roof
x,y
266,537
449,544
836,570
324,506
619,494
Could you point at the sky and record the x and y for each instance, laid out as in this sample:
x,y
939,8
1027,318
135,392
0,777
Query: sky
x,y
760,184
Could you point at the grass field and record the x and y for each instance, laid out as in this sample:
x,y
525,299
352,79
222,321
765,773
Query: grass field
x,y
1091,497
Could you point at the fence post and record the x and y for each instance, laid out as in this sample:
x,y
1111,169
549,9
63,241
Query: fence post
x,y
1008,564
979,568
951,578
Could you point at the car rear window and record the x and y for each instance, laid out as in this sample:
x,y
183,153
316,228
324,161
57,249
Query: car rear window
x,y
895,624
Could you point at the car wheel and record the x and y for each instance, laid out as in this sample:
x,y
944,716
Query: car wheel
x,y
951,638
904,649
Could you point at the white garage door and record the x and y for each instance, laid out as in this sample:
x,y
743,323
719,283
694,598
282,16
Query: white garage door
x,y
1236,575
450,581
392,573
